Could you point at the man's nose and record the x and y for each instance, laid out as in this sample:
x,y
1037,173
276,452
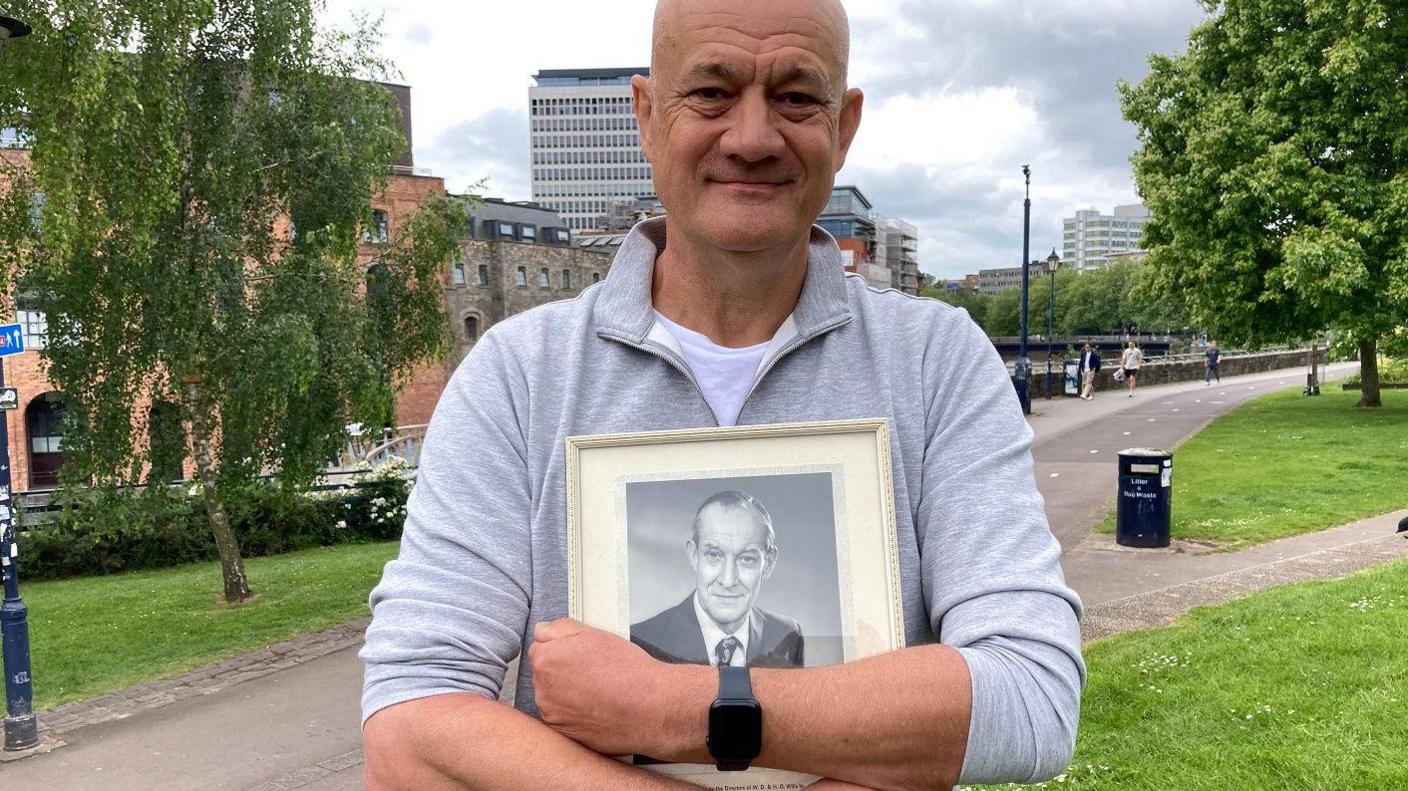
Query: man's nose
x,y
753,135
729,576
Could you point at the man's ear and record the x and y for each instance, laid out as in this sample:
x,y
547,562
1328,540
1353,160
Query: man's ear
x,y
851,103
643,102
691,551
769,562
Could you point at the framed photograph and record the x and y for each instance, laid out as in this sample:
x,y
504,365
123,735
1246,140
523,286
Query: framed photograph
x,y
765,546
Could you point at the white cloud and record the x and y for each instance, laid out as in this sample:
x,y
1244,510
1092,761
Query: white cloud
x,y
960,94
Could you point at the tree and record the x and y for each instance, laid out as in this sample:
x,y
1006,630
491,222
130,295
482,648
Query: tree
x,y
205,172
976,304
1272,158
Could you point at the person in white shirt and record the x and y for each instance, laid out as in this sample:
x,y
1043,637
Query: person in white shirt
x,y
1132,359
732,550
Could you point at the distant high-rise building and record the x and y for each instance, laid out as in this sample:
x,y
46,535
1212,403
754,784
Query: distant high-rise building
x,y
882,250
901,254
586,150
1090,237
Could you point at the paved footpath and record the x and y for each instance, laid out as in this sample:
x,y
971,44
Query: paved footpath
x,y
287,717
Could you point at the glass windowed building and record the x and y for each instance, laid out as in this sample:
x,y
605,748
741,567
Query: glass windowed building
x,y
1089,238
586,154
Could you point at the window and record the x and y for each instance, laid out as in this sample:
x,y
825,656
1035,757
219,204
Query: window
x,y
520,278
380,230
530,233
457,272
471,329
33,322
567,278
543,281
596,277
506,230
483,276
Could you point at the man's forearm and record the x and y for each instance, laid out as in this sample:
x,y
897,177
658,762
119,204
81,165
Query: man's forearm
x,y
895,721
464,741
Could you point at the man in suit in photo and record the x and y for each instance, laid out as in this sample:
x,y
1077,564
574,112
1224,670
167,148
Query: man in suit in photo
x,y
732,550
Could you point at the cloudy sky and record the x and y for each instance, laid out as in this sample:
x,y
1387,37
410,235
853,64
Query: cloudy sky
x,y
959,95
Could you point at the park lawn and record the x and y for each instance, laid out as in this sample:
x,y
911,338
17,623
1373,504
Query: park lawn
x,y
96,634
1299,687
1284,464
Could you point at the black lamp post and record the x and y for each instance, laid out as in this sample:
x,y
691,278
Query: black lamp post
x,y
1052,261
1022,375
21,726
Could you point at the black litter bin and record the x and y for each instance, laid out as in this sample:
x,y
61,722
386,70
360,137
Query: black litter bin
x,y
1145,498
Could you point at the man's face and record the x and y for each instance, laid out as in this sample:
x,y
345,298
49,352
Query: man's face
x,y
731,559
746,118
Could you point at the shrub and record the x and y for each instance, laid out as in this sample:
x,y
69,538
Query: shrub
x,y
121,531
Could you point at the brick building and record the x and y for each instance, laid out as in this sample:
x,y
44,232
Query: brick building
x,y
517,256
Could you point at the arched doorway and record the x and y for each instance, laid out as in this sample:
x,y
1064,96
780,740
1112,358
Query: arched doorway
x,y
43,420
166,436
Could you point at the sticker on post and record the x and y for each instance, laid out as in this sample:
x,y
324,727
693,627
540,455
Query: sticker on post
x,y
1167,477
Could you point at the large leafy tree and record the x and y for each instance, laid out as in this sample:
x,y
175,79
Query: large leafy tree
x,y
1273,158
172,144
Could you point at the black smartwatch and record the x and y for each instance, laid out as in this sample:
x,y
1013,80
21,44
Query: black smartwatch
x,y
735,721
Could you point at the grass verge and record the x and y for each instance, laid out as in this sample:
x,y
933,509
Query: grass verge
x,y
1301,687
1282,464
96,634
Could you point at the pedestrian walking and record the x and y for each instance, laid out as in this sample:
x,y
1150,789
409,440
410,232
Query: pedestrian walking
x,y
1214,355
1132,359
1089,366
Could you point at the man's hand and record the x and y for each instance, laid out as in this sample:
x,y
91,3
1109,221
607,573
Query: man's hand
x,y
596,688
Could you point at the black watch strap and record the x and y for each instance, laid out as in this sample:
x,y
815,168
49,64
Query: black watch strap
x,y
734,683
735,687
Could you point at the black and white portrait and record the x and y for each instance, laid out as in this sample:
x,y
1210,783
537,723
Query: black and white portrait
x,y
738,570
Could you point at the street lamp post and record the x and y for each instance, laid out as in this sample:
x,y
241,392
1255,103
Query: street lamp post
x,y
1023,372
1052,261
21,726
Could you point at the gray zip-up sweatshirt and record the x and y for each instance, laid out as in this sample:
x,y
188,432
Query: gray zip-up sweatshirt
x,y
483,557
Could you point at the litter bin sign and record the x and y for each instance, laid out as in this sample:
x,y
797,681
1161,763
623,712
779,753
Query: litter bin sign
x,y
1143,513
1072,377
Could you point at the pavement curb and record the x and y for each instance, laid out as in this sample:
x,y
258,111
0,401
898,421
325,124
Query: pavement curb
x,y
200,681
1163,606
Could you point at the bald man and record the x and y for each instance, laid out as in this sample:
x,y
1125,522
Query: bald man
x,y
744,317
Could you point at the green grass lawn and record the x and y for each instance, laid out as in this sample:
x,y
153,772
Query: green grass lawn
x,y
96,634
1283,464
1301,687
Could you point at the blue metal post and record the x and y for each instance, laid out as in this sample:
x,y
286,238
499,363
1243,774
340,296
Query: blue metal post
x,y
21,726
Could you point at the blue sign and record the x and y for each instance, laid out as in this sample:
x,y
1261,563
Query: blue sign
x,y
11,339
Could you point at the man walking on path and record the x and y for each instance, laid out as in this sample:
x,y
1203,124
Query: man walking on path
x,y
1089,366
1213,354
1133,358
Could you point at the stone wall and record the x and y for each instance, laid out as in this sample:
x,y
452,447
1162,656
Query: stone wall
x,y
500,295
1155,372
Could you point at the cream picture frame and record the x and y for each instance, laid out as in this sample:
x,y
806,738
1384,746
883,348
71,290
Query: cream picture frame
x,y
832,475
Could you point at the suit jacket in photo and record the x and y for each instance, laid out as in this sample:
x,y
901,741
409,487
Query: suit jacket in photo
x,y
674,636
1093,364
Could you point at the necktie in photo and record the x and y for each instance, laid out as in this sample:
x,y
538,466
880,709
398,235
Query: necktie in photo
x,y
723,652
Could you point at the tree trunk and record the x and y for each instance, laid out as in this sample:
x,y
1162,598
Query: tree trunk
x,y
1369,374
231,564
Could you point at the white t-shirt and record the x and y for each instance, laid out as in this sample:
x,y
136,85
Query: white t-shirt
x,y
724,375
1133,358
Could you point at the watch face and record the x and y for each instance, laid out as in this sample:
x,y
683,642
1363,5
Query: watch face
x,y
735,730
